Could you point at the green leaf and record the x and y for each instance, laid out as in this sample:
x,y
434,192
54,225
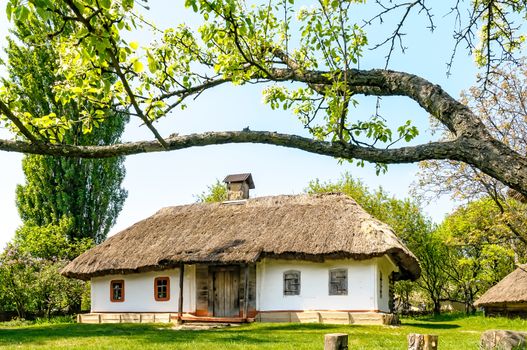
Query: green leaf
x,y
106,4
9,11
128,4
138,66
22,13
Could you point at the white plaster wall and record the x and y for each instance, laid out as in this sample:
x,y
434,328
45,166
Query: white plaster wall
x,y
386,266
139,292
314,290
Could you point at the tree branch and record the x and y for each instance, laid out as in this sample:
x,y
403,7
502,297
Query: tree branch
x,y
435,150
23,130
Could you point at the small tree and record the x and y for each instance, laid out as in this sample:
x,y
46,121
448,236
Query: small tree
x,y
214,193
33,286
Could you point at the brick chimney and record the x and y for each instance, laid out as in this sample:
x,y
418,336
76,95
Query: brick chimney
x,y
238,186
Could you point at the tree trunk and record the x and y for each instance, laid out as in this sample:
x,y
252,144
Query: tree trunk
x,y
437,308
336,341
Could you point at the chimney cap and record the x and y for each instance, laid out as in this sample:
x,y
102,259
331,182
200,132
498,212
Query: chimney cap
x,y
245,177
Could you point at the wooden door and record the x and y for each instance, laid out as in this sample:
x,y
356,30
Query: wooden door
x,y
226,287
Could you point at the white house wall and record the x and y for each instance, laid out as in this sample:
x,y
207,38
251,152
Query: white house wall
x,y
386,267
314,290
139,292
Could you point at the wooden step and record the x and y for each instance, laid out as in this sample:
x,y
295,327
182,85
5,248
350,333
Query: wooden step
x,y
190,318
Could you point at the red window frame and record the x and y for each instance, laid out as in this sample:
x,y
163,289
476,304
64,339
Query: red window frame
x,y
156,290
112,295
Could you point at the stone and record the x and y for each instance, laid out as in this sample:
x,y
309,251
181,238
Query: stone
x,y
503,340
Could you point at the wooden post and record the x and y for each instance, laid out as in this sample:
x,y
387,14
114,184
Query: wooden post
x,y
245,291
422,341
336,341
180,303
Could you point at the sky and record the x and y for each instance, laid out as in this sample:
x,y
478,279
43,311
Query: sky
x,y
157,180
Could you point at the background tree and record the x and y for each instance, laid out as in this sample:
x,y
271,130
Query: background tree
x,y
66,204
479,251
85,191
502,107
242,44
51,241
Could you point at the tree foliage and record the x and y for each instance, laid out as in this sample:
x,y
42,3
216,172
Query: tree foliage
x,y
85,191
50,241
216,192
33,286
241,44
479,251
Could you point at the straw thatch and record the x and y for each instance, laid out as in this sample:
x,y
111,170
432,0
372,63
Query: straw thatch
x,y
309,227
512,289
516,195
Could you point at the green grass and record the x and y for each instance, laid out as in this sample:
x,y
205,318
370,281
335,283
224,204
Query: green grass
x,y
455,332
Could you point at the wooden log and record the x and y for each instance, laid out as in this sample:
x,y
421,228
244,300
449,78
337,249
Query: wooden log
x,y
422,341
336,341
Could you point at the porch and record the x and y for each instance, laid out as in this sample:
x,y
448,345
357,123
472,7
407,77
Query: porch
x,y
148,317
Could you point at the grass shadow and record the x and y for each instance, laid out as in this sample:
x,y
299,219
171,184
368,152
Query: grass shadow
x,y
148,334
299,327
444,317
39,334
431,325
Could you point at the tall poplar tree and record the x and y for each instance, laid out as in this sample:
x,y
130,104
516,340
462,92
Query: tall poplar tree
x,y
86,193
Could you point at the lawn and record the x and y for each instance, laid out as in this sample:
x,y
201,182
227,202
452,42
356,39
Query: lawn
x,y
455,332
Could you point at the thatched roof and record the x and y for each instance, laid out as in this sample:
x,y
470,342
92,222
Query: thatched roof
x,y
511,289
310,227
516,195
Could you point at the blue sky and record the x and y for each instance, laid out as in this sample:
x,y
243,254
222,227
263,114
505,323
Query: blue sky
x,y
163,179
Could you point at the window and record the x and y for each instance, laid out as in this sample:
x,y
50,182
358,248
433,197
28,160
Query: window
x,y
162,288
117,290
292,283
338,282
380,284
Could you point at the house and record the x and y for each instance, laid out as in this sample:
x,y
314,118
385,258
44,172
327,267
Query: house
x,y
306,258
508,297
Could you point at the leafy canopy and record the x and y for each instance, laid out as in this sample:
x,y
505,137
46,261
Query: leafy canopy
x,y
272,43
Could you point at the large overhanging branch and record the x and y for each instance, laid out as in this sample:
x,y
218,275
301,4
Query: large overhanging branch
x,y
435,150
490,157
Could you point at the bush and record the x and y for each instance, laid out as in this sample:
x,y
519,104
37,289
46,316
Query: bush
x,y
34,287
